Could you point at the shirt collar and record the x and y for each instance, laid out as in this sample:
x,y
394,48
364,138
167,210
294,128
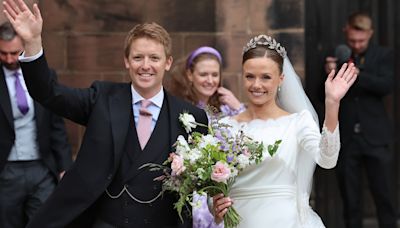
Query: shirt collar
x,y
9,73
156,100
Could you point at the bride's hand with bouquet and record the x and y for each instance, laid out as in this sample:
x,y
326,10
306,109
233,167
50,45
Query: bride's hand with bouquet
x,y
220,206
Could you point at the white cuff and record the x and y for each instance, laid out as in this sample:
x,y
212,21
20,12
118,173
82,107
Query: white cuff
x,y
24,59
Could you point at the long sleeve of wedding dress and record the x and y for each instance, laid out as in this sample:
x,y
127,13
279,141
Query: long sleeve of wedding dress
x,y
329,148
317,148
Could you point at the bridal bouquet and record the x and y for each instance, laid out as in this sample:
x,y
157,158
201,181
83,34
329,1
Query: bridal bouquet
x,y
209,163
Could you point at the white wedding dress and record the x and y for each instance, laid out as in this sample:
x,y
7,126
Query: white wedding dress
x,y
275,193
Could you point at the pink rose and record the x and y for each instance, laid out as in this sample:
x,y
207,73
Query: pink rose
x,y
221,172
177,164
171,156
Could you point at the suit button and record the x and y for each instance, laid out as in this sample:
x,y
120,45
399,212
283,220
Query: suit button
x,y
357,128
145,221
126,221
109,177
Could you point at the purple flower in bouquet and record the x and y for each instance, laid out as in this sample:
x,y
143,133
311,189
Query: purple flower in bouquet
x,y
230,158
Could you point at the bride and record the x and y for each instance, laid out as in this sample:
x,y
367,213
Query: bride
x,y
275,193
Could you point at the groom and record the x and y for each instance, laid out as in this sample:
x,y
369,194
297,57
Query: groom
x,y
105,188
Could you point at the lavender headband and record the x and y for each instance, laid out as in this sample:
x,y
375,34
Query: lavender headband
x,y
202,50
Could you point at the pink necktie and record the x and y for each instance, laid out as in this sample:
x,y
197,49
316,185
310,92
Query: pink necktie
x,y
144,123
22,102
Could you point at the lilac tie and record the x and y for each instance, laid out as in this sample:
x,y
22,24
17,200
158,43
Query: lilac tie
x,y
22,102
144,123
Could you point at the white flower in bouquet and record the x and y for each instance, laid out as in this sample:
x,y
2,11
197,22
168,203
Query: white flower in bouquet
x,y
182,147
188,121
194,155
243,161
208,140
234,173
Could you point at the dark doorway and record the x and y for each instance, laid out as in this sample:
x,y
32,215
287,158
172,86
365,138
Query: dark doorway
x,y
323,24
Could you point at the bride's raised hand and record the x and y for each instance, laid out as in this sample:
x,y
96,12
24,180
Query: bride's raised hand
x,y
28,24
220,207
337,86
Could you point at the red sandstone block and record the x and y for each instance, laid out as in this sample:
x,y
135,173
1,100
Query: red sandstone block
x,y
232,16
96,52
232,46
55,49
79,79
193,41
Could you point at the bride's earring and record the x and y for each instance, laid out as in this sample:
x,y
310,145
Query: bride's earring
x,y
279,89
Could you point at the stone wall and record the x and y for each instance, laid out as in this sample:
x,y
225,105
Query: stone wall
x,y
83,40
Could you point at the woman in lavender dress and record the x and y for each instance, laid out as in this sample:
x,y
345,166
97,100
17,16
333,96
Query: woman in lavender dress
x,y
197,79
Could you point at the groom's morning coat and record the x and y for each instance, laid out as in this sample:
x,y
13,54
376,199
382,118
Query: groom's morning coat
x,y
106,110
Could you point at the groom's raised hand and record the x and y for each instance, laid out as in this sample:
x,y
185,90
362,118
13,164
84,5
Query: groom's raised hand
x,y
26,23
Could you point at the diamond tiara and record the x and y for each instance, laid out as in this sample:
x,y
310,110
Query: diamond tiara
x,y
267,41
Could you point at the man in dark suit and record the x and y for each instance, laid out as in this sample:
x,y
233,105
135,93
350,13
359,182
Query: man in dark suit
x,y
364,125
105,187
34,150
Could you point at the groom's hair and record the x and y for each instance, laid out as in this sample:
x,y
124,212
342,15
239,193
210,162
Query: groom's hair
x,y
152,31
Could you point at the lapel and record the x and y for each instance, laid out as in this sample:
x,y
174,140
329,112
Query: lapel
x,y
120,105
176,128
39,110
5,102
